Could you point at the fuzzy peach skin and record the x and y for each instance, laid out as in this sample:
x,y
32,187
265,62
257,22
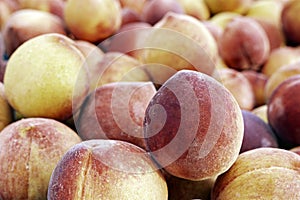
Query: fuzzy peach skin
x,y
107,169
30,150
193,126
244,44
46,77
116,111
25,24
178,41
98,19
263,173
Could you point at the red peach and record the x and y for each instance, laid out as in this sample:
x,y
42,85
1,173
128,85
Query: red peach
x,y
244,44
106,169
30,150
193,126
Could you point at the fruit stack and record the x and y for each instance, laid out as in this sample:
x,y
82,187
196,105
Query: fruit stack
x,y
149,99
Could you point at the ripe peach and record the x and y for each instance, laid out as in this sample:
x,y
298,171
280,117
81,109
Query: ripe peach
x,y
197,9
238,6
284,110
116,111
179,41
25,24
257,133
258,82
54,81
6,114
244,48
280,57
239,86
279,76
189,121
106,169
98,19
290,22
155,10
263,173
30,150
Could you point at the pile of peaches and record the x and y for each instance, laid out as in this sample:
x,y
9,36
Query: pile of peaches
x,y
149,99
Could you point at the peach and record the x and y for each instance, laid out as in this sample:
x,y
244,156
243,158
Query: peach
x,y
257,133
290,22
244,48
115,66
263,173
6,114
279,76
239,86
106,169
258,82
238,6
261,112
193,126
98,20
55,7
178,41
25,24
284,110
30,150
155,10
116,111
280,57
197,9
54,81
